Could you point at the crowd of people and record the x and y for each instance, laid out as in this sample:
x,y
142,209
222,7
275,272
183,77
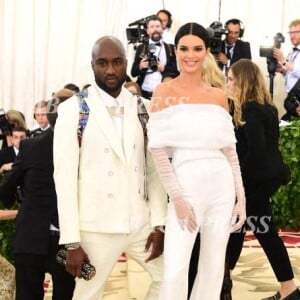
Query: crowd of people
x,y
125,166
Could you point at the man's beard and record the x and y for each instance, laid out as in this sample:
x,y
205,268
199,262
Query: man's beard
x,y
110,89
156,36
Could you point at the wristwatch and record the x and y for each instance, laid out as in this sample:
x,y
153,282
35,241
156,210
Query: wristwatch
x,y
72,246
160,228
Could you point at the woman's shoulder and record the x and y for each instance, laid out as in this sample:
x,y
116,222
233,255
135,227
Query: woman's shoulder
x,y
258,110
161,96
255,106
167,94
163,88
218,97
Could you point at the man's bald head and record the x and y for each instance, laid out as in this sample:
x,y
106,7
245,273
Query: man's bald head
x,y
107,40
109,64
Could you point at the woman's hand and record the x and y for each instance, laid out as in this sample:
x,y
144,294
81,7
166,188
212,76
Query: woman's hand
x,y
238,216
185,214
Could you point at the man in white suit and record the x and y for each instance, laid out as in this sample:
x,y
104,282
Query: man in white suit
x,y
102,185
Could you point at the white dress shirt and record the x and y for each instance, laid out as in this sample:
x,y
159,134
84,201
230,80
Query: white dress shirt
x,y
110,101
152,79
292,77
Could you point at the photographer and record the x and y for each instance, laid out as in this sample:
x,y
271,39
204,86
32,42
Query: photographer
x,y
9,120
290,69
233,48
8,154
153,59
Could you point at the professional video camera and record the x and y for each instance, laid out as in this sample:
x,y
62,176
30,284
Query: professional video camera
x,y
5,126
267,51
215,32
138,33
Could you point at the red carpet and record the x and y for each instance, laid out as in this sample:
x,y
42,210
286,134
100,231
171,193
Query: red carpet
x,y
291,239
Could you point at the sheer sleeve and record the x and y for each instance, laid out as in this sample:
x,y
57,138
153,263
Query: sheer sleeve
x,y
184,210
239,212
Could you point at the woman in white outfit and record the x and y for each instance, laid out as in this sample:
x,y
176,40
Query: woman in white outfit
x,y
189,121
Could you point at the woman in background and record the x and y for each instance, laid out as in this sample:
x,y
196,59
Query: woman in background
x,y
263,171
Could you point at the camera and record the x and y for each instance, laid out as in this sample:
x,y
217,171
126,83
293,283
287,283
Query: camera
x,y
215,32
152,59
88,271
138,33
267,51
5,126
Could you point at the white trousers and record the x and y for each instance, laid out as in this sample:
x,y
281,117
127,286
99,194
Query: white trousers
x,y
104,250
208,185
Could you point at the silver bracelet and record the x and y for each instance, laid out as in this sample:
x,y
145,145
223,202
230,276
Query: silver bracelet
x,y
72,246
160,228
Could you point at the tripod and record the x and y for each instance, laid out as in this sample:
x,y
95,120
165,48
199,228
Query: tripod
x,y
272,63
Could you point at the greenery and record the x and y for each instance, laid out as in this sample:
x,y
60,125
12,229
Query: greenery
x,y
7,229
286,202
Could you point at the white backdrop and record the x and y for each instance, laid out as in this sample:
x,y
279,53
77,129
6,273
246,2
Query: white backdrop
x,y
47,43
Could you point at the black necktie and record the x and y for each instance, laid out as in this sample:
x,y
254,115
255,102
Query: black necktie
x,y
157,44
296,49
228,51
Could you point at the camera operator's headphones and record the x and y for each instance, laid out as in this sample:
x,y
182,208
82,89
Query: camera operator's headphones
x,y
170,21
235,22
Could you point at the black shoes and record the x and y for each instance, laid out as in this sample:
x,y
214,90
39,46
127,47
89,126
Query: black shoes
x,y
295,295
275,297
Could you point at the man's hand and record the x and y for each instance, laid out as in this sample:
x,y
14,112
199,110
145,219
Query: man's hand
x,y
160,67
280,69
6,167
75,259
277,53
156,239
222,58
144,63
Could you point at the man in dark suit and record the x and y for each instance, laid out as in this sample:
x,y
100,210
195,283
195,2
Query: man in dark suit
x,y
8,154
151,68
37,234
40,115
233,48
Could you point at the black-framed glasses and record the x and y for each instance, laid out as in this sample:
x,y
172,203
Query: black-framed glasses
x,y
293,32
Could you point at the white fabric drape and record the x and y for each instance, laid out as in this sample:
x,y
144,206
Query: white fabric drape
x,y
47,43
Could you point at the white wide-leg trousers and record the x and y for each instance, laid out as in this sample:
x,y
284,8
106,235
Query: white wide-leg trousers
x,y
208,185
